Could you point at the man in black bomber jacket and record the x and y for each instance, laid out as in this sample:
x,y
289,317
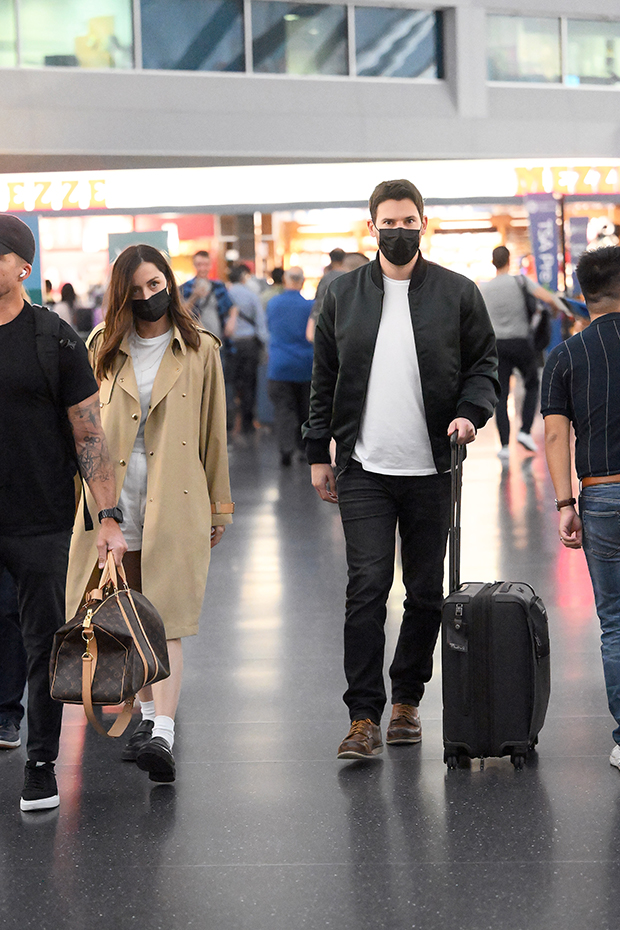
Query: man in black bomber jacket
x,y
404,355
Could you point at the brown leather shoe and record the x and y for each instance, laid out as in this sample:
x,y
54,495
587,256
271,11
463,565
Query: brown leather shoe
x,y
363,741
404,726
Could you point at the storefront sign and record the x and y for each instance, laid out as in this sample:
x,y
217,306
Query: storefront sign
x,y
576,179
270,187
39,196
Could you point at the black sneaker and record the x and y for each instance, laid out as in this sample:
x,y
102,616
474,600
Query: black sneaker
x,y
40,790
9,734
139,738
156,758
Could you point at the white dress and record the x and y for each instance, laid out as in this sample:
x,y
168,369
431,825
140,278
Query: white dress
x,y
146,355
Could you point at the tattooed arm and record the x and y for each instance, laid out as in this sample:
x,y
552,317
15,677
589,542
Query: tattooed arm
x,y
97,471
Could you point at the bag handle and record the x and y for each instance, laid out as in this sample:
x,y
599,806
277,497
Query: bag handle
x,y
112,572
89,664
457,454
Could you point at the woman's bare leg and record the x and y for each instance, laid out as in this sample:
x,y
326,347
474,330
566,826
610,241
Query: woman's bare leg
x,y
166,693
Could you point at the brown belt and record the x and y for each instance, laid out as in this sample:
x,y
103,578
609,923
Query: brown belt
x,y
600,479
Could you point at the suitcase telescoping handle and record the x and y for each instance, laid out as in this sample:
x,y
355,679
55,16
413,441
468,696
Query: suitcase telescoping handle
x,y
457,454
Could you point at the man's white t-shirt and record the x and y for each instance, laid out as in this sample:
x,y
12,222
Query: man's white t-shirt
x,y
393,437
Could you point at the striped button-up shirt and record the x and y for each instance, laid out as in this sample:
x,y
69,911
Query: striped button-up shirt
x,y
581,381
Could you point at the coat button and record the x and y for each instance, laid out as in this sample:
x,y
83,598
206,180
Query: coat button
x,y
101,405
183,395
183,443
186,492
150,453
121,380
122,462
150,500
134,416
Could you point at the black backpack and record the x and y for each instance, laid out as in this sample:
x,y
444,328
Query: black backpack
x,y
48,344
538,317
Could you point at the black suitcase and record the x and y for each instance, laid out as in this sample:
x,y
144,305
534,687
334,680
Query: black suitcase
x,y
495,659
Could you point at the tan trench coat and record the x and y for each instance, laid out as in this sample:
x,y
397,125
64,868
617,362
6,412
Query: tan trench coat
x,y
187,461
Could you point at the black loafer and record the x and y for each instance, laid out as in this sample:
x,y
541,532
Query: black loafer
x,y
156,758
139,738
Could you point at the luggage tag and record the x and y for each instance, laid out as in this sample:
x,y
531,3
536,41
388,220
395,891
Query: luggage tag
x,y
456,634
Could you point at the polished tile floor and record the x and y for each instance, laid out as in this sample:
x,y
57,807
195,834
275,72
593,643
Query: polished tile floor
x,y
264,829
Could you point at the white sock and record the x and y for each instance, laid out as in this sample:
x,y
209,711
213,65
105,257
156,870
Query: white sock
x,y
164,726
148,710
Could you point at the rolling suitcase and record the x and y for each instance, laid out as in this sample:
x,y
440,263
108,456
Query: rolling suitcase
x,y
495,659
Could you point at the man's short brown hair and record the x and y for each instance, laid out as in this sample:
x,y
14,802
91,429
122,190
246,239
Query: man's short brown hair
x,y
395,190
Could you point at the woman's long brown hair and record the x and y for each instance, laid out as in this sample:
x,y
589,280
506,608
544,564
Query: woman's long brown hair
x,y
119,314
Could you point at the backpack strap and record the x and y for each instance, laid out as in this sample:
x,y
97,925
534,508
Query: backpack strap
x,y
47,333
48,345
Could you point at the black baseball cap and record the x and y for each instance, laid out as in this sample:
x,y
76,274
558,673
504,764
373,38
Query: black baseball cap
x,y
16,237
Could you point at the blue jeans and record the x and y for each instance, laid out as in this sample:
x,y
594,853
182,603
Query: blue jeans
x,y
599,507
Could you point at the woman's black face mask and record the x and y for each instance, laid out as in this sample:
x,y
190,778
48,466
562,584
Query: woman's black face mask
x,y
152,309
399,245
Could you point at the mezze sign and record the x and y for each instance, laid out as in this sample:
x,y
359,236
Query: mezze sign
x,y
577,179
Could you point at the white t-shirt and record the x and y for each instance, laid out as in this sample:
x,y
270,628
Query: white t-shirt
x,y
393,437
146,355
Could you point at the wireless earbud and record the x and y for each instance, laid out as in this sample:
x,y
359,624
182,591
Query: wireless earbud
x,y
22,274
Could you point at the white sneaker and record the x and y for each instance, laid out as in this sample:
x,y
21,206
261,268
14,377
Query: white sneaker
x,y
615,756
504,454
527,442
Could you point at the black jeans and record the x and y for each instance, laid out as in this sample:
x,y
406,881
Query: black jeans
x,y
372,507
291,403
519,354
39,566
244,365
13,668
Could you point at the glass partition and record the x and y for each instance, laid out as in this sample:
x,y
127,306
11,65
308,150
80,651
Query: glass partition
x,y
523,48
76,33
8,43
398,43
296,38
193,35
593,54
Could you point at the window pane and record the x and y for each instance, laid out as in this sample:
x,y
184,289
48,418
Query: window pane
x,y
290,38
397,43
523,48
193,35
8,52
79,33
593,52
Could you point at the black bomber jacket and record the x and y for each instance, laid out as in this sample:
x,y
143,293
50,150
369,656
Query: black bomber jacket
x,y
455,345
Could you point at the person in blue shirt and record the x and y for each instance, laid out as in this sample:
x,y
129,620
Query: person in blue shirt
x,y
290,362
207,298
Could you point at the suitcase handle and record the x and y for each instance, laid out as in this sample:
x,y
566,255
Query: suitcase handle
x,y
457,455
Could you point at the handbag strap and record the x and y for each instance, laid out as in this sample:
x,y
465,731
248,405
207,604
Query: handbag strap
x,y
89,664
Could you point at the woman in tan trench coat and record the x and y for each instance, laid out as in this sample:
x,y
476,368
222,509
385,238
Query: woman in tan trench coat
x,y
163,410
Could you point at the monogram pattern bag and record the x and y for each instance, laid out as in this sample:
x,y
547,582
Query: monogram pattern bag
x,y
113,647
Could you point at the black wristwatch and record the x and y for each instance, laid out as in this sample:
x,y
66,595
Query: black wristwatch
x,y
114,512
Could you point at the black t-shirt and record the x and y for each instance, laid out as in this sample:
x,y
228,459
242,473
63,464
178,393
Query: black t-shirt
x,y
36,467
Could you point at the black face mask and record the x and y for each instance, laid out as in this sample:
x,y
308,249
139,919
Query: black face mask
x,y
399,245
152,309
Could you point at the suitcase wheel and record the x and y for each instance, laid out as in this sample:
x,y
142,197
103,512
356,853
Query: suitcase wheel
x,y
518,760
452,761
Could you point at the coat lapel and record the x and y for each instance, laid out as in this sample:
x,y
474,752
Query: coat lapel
x,y
169,370
126,376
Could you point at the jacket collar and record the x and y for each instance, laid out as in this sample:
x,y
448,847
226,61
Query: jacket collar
x,y
176,337
418,275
